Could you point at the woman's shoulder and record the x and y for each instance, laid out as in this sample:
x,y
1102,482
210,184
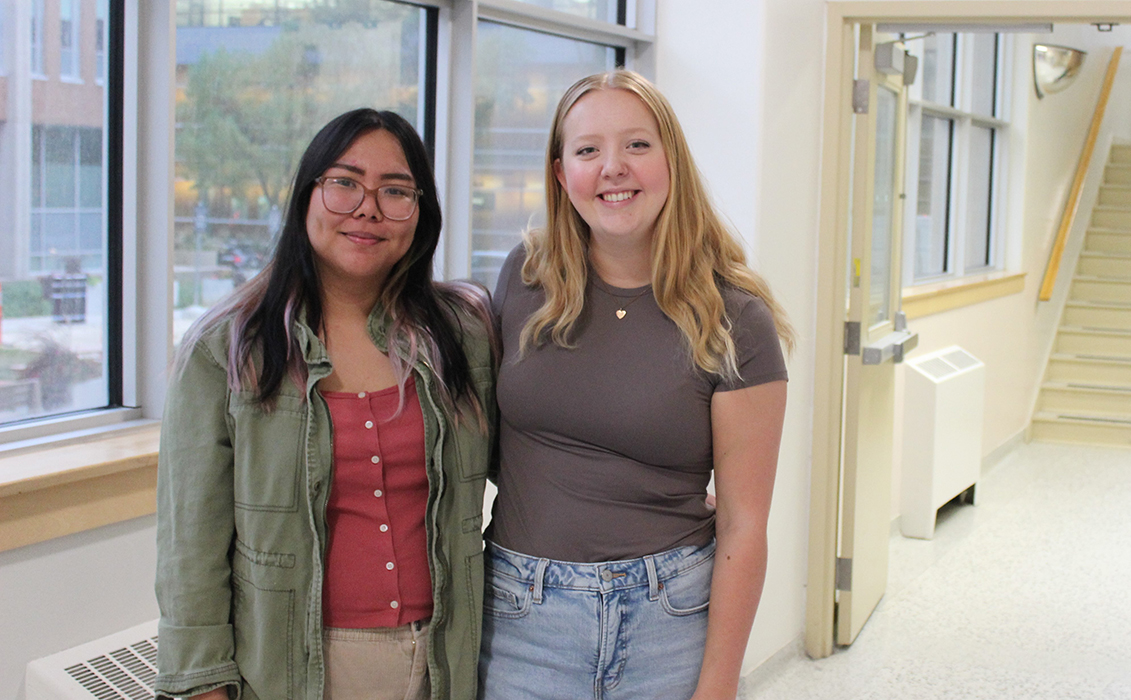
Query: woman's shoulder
x,y
469,308
208,336
747,312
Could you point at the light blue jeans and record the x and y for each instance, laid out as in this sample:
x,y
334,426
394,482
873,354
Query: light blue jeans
x,y
615,630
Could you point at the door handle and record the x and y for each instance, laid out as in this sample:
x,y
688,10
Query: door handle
x,y
893,346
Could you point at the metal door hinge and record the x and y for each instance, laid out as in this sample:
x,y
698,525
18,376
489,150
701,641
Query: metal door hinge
x,y
851,337
860,96
843,574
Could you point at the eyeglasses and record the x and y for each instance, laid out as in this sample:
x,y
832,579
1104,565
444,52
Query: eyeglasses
x,y
343,195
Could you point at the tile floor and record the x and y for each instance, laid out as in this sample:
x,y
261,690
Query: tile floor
x,y
1026,595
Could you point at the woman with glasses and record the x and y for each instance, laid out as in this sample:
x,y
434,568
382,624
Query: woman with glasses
x,y
324,447
641,358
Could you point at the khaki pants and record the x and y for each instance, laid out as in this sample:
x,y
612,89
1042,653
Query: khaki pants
x,y
377,664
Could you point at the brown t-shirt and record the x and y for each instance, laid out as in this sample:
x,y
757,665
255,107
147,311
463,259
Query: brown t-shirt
x,y
605,448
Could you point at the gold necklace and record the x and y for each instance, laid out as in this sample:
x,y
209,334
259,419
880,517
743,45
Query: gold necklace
x,y
622,311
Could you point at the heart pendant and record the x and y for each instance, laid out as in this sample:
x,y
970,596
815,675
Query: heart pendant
x,y
621,313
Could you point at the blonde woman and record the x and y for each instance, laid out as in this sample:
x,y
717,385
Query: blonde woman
x,y
640,356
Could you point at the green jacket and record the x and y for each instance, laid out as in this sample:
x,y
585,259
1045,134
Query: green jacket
x,y
241,527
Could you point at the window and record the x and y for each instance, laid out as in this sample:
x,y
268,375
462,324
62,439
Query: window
x,y
520,76
69,14
59,269
253,81
100,42
956,130
37,37
253,87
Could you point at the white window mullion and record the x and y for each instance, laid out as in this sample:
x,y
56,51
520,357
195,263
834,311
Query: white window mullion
x,y
459,88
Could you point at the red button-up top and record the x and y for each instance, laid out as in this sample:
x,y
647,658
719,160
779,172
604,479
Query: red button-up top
x,y
376,559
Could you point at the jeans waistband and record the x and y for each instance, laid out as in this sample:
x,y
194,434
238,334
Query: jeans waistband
x,y
650,570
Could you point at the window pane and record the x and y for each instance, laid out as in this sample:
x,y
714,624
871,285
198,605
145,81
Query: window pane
x,y
255,82
520,76
68,38
938,69
604,10
53,333
932,209
36,34
978,198
883,201
985,72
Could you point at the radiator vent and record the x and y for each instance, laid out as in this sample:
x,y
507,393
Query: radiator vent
x,y
122,666
125,673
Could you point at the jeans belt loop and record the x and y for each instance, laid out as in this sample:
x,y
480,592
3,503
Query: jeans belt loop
x,y
653,577
539,575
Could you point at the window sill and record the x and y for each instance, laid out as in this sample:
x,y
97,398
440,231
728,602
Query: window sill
x,y
928,299
61,490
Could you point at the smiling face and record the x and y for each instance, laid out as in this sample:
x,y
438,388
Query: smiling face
x,y
613,166
363,246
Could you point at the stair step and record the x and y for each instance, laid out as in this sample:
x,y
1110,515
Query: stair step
x,y
1115,195
1074,397
1117,174
1102,289
1111,216
1098,315
1108,240
1094,342
1089,369
1104,264
1082,428
1120,153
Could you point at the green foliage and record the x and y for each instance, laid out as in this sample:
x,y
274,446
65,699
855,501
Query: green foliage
x,y
24,298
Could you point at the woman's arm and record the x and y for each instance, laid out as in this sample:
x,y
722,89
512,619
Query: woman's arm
x,y
195,527
746,426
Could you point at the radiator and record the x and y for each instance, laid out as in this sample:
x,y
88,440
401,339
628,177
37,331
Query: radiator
x,y
943,406
121,666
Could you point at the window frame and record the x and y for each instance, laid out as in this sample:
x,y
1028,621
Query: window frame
x,y
122,405
964,121
140,48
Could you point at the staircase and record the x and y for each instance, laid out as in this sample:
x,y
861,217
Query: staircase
x,y
1086,395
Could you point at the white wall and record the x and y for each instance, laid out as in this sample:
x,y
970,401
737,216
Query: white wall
x,y
60,593
745,79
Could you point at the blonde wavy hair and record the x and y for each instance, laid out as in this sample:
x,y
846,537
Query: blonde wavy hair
x,y
693,250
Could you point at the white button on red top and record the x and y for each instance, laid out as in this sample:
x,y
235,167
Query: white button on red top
x,y
377,493
375,459
384,527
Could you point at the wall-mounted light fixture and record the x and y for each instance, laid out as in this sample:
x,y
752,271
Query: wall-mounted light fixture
x,y
1055,67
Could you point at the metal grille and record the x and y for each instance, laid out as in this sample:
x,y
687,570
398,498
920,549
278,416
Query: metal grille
x,y
124,674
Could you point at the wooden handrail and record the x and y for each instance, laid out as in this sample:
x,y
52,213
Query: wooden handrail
x,y
1077,190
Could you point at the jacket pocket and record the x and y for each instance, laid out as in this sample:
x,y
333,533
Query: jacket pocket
x,y
268,450
264,626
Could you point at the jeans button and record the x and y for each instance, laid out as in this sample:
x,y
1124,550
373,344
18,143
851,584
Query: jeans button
x,y
607,575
